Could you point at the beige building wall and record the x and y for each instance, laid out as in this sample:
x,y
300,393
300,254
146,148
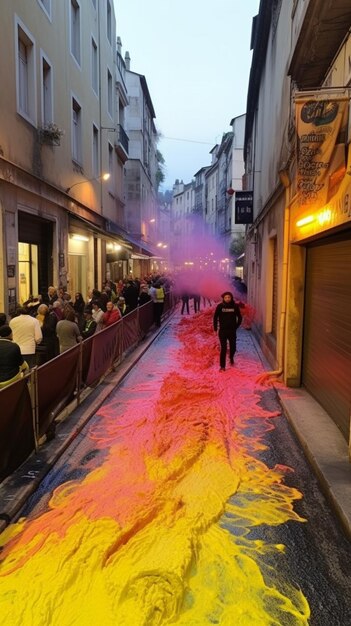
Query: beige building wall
x,y
46,177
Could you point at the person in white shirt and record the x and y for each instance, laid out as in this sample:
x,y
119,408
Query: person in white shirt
x,y
98,315
27,334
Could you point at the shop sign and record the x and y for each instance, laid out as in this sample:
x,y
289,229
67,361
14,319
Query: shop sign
x,y
243,207
321,126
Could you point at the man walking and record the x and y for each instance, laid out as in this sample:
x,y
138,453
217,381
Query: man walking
x,y
228,315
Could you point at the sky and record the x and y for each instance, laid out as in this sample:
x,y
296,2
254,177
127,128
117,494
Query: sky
x,y
196,58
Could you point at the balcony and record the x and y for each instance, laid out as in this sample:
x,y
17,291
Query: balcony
x,y
122,145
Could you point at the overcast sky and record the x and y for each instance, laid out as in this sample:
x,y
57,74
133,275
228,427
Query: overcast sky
x,y
196,58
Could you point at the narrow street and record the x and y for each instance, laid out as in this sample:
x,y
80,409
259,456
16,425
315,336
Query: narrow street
x,y
186,500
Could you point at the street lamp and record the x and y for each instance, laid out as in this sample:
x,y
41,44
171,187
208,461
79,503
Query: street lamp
x,y
105,176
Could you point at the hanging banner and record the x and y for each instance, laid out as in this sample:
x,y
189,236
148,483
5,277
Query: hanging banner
x,y
243,207
321,126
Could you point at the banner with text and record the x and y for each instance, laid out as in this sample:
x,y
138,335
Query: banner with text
x,y
243,207
321,126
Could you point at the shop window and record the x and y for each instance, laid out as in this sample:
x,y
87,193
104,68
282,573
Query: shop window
x,y
28,271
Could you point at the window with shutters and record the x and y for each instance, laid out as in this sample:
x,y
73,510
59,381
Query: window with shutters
x,y
75,30
46,91
96,171
76,131
109,94
26,77
94,65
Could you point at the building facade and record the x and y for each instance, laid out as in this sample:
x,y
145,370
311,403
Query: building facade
x,y
58,137
298,249
142,212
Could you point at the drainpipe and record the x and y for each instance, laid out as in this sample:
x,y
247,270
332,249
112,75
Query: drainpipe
x,y
270,377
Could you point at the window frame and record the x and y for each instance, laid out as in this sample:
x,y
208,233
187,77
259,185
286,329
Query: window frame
x,y
78,45
77,156
95,161
94,66
29,113
46,6
109,93
46,119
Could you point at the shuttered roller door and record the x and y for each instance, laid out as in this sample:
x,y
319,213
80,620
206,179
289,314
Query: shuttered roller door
x,y
327,328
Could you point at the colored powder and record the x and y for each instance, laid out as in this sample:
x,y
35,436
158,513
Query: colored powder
x,y
160,532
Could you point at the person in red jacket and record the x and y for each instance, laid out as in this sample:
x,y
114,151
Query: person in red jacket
x,y
111,316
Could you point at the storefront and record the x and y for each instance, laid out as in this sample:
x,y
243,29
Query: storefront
x,y
35,238
326,362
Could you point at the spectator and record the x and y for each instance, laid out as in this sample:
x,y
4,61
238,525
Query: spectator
x,y
3,319
48,348
131,294
27,333
144,296
51,296
185,303
32,304
90,325
79,306
111,316
98,314
157,294
57,309
67,332
197,301
12,363
121,305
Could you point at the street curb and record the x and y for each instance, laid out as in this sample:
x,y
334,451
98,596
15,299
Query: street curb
x,y
324,447
25,480
323,444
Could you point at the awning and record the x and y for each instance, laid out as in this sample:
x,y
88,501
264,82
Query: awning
x,y
139,246
79,221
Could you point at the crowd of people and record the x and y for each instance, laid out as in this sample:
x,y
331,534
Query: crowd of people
x,y
46,326
54,322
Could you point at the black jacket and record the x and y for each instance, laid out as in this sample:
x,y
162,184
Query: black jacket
x,y
228,315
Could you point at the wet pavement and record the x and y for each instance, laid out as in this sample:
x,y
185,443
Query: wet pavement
x,y
297,543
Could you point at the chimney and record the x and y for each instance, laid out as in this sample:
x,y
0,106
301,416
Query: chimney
x,y
127,60
119,45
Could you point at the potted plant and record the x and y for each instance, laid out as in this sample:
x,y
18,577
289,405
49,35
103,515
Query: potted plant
x,y
51,134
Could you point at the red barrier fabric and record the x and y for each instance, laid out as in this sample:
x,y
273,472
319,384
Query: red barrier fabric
x,y
131,330
16,427
56,384
105,347
146,318
87,346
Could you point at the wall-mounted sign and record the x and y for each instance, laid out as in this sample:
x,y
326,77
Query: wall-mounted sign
x,y
243,207
11,271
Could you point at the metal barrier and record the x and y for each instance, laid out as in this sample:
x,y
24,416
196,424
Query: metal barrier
x,y
29,406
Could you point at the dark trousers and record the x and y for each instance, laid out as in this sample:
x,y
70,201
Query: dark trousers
x,y
158,310
224,337
197,300
185,302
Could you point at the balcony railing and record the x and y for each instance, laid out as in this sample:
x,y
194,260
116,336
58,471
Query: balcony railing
x,y
123,138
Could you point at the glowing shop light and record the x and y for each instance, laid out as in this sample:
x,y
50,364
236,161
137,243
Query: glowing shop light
x,y
324,216
152,221
164,245
305,220
160,244
77,237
